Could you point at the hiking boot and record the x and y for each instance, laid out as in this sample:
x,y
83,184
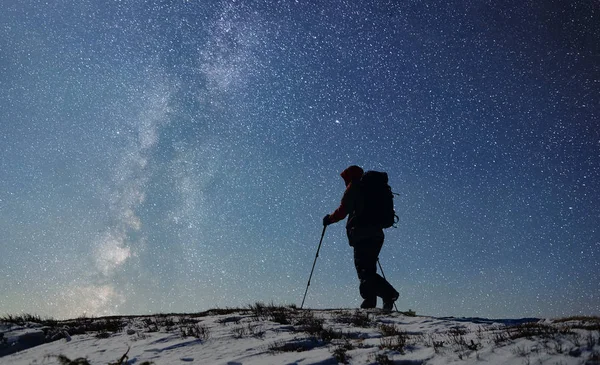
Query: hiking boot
x,y
369,303
388,304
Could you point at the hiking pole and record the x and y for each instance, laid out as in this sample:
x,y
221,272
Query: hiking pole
x,y
313,267
382,274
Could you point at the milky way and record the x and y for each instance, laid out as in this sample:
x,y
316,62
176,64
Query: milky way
x,y
179,156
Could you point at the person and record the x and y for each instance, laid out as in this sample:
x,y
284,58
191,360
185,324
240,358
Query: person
x,y
366,239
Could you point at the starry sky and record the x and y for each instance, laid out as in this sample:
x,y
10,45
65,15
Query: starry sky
x,y
177,156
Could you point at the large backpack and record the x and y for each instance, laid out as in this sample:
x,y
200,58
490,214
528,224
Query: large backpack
x,y
376,205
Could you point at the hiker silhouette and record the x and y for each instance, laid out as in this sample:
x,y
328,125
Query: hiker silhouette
x,y
367,240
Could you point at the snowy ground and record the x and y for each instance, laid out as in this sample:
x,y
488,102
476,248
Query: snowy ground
x,y
282,335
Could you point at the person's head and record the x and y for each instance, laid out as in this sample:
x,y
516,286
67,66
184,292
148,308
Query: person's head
x,y
352,173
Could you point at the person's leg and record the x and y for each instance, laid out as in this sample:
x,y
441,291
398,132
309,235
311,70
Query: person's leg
x,y
372,284
385,290
365,261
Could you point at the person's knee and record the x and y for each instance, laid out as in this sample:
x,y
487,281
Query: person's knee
x,y
365,275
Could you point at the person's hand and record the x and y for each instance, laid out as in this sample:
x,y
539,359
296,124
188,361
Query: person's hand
x,y
326,220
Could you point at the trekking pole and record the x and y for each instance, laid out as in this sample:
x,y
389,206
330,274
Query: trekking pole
x,y
382,274
313,267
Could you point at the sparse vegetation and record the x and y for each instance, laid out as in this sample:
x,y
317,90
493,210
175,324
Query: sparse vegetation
x,y
388,330
437,345
160,321
185,319
521,351
197,330
500,336
28,318
535,329
228,320
383,359
457,337
315,328
578,318
272,312
99,325
308,322
291,346
337,331
532,330
357,318
409,313
396,343
340,353
103,335
249,329
63,360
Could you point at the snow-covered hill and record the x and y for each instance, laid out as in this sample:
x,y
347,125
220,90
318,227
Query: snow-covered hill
x,y
268,334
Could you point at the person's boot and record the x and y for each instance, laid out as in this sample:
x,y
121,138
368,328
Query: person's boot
x,y
388,304
369,303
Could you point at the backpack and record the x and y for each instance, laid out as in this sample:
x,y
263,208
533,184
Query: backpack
x,y
376,205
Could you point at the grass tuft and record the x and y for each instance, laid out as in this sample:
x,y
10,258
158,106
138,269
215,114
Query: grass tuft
x,y
197,330
358,318
293,346
23,319
63,360
250,329
396,343
271,312
389,330
383,359
340,353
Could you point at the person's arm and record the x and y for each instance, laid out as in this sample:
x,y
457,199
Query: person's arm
x,y
339,214
342,211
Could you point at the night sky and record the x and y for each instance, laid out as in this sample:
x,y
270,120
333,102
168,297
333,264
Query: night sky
x,y
177,156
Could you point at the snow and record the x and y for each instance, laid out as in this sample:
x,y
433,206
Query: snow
x,y
284,335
